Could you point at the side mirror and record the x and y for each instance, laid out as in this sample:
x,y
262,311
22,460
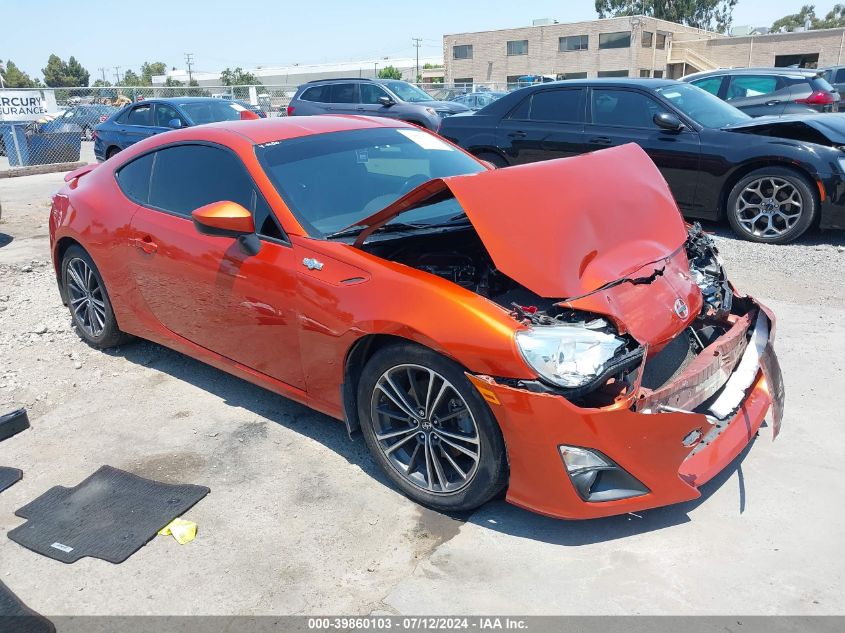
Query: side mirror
x,y
228,219
386,101
668,121
174,123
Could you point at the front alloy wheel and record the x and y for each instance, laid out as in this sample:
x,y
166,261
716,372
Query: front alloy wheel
x,y
429,429
774,205
425,429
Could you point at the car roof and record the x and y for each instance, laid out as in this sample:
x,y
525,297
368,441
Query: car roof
x,y
178,100
261,131
604,81
802,72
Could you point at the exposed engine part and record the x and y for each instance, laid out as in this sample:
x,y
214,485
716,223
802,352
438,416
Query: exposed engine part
x,y
708,273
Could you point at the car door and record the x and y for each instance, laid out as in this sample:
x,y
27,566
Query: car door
x,y
204,288
758,95
136,125
713,84
620,115
370,105
546,124
344,98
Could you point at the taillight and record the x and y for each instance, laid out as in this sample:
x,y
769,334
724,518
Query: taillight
x,y
819,97
290,110
248,115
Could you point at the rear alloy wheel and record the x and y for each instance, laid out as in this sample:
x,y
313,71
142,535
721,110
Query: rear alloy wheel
x,y
112,151
430,430
773,205
88,301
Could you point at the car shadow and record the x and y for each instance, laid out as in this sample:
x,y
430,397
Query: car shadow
x,y
5,239
497,515
236,392
813,237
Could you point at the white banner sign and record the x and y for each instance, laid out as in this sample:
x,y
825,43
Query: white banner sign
x,y
22,105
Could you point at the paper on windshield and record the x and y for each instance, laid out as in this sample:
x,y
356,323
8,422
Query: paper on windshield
x,y
426,140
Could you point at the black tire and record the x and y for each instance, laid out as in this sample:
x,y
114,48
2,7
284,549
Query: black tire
x,y
772,227
108,334
492,158
112,151
489,474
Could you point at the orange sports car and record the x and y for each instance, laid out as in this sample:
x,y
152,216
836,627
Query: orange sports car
x,y
552,330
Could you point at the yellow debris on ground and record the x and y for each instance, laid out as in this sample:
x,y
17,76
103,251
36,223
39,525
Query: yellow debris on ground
x,y
183,531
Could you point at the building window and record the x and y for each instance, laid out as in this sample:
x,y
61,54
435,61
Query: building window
x,y
648,39
621,39
661,41
518,47
463,51
658,74
463,81
562,76
613,73
573,43
645,73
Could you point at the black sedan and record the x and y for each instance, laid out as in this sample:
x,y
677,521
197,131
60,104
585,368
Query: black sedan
x,y
773,178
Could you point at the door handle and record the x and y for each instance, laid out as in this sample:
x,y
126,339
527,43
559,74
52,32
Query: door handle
x,y
600,140
146,244
518,134
772,103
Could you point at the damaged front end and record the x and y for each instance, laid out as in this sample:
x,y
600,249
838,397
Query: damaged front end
x,y
647,433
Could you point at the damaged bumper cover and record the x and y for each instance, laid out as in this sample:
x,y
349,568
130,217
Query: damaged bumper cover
x,y
667,442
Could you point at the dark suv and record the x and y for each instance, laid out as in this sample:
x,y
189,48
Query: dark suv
x,y
372,97
770,91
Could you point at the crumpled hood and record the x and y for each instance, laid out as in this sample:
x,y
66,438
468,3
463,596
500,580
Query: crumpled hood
x,y
564,228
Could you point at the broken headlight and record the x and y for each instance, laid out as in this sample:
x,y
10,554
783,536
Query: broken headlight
x,y
569,355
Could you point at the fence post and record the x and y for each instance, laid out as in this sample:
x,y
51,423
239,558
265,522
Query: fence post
x,y
16,144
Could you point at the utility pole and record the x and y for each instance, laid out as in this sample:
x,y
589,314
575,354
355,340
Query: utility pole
x,y
116,75
189,61
102,69
417,44
375,70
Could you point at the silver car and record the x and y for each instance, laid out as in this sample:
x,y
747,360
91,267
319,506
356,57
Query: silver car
x,y
390,98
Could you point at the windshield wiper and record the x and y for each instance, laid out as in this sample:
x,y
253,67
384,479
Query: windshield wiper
x,y
387,228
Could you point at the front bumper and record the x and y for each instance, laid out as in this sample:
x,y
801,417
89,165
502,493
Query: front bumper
x,y
645,438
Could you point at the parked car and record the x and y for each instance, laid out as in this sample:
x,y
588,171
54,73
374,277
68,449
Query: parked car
x,y
770,91
87,117
146,118
553,330
771,178
835,76
478,100
450,94
372,97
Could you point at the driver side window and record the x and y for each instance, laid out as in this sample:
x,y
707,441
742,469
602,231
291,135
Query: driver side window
x,y
166,113
371,93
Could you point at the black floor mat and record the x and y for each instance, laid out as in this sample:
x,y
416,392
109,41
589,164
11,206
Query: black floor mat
x,y
9,476
16,617
110,515
13,423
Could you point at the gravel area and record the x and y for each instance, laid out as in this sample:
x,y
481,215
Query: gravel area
x,y
300,520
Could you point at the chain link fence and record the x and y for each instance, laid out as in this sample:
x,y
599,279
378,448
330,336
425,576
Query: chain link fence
x,y
57,125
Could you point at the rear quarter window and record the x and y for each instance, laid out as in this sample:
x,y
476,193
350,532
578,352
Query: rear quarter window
x,y
319,94
134,179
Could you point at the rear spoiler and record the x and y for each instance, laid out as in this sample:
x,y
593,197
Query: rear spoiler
x,y
76,173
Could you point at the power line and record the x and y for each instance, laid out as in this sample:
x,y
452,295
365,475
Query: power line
x,y
102,69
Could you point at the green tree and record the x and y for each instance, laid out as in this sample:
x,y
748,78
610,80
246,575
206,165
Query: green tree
x,y
390,72
59,73
834,18
131,78
14,77
173,83
149,69
238,77
101,83
195,91
713,15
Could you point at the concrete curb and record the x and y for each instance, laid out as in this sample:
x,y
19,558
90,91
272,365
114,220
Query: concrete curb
x,y
41,169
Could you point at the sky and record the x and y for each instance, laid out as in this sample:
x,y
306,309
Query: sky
x,y
254,33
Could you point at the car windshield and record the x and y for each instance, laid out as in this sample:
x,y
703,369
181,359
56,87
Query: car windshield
x,y
211,111
335,180
701,106
408,92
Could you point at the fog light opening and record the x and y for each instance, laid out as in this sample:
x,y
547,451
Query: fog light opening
x,y
596,477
